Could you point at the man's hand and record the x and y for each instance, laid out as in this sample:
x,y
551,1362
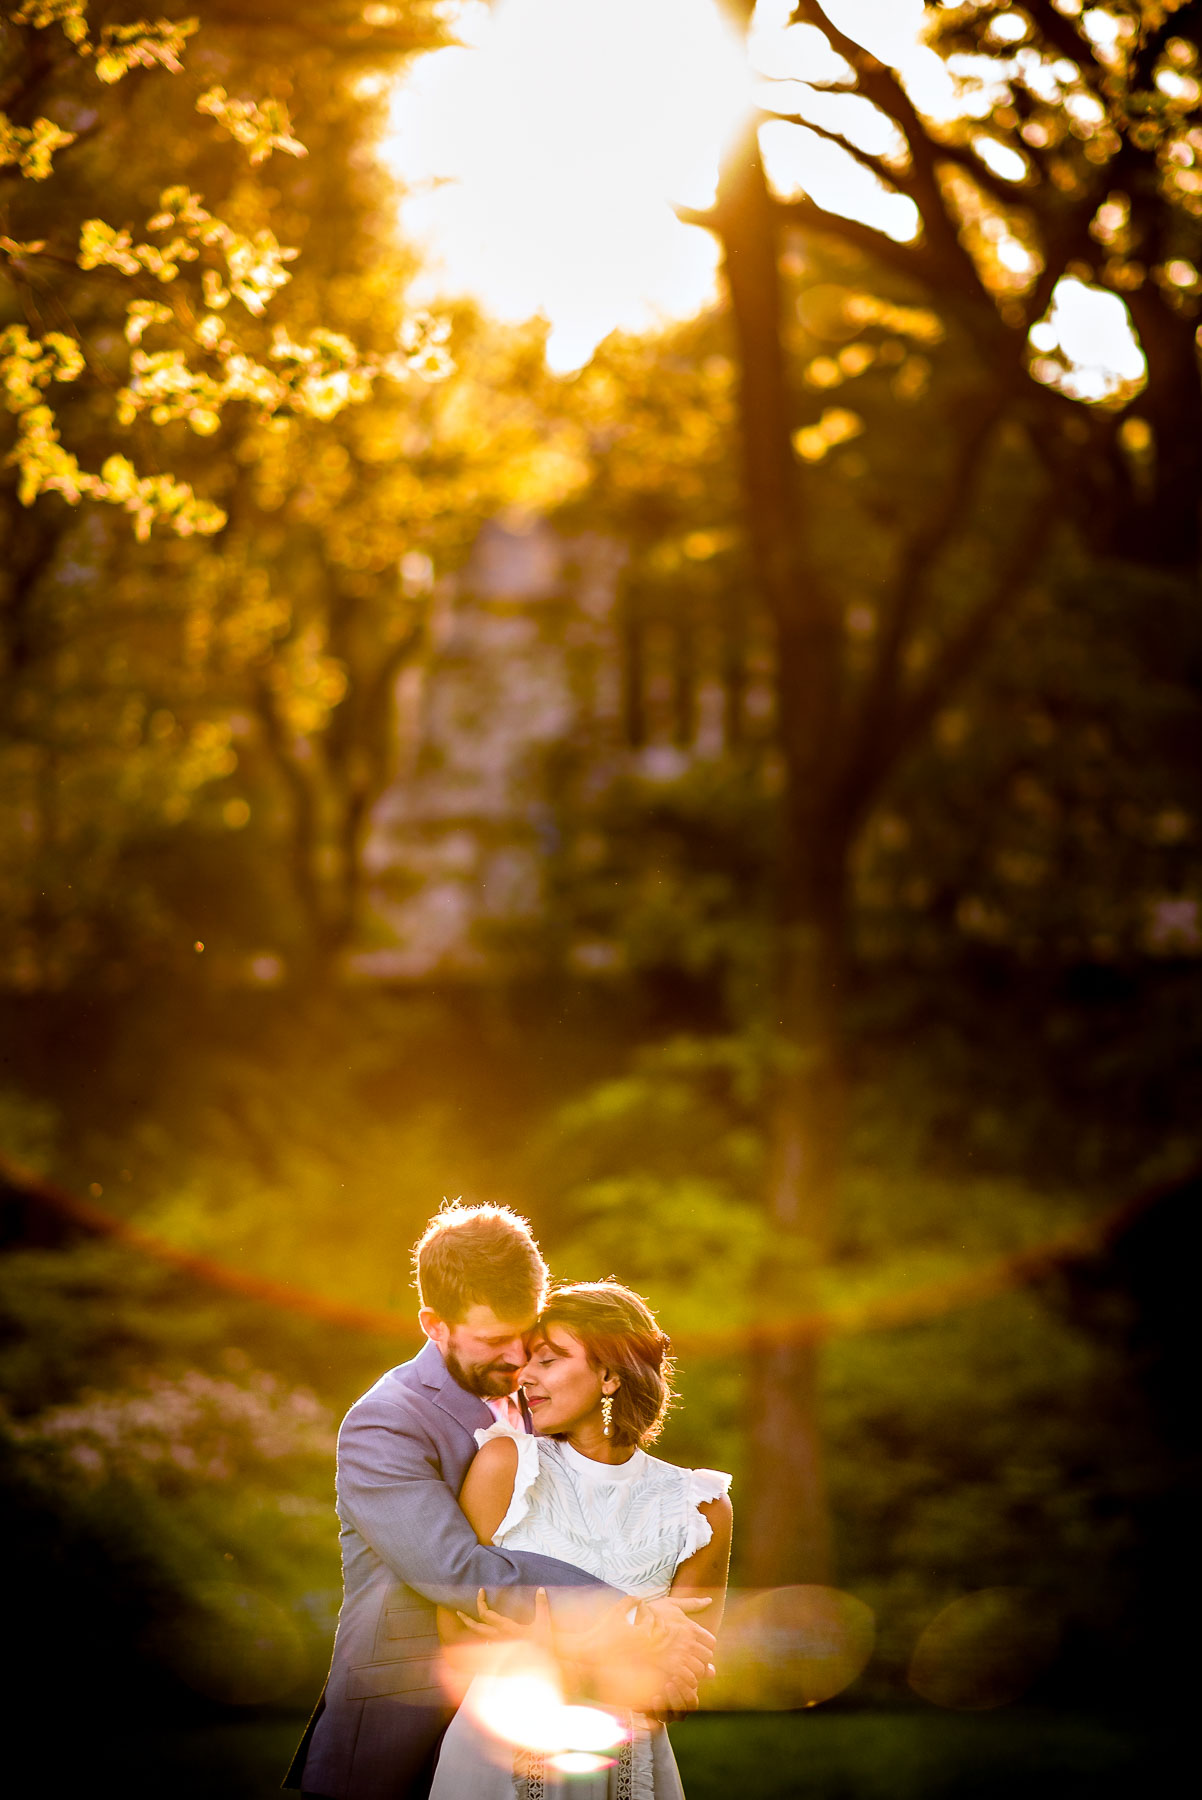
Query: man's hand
x,y
682,1650
653,1663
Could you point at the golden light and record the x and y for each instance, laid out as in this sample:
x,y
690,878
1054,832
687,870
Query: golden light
x,y
544,156
1099,358
784,1648
519,1702
580,1762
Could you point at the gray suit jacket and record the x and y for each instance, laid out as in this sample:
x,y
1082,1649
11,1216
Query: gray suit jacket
x,y
403,1452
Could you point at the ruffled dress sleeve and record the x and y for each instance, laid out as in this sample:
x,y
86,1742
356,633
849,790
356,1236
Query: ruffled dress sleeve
x,y
703,1485
524,1480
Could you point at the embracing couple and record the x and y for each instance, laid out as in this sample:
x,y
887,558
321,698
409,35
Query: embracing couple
x,y
496,1488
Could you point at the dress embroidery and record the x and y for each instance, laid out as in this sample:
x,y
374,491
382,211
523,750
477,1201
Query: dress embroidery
x,y
633,1775
529,1775
631,1528
632,1531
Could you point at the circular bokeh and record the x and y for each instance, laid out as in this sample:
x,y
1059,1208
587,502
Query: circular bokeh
x,y
786,1648
984,1650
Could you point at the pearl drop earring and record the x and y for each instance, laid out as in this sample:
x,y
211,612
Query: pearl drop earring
x,y
607,1415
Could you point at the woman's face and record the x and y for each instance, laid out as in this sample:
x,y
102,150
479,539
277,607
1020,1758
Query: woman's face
x,y
562,1387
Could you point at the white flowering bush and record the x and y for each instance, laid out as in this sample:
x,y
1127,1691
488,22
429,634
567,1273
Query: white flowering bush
x,y
193,1428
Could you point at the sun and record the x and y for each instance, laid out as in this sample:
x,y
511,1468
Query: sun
x,y
545,157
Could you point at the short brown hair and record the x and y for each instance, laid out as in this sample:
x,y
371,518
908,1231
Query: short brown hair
x,y
620,1334
484,1255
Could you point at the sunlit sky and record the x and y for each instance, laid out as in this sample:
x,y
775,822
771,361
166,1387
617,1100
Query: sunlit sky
x,y
544,158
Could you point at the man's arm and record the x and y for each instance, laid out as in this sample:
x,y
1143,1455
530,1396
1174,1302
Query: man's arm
x,y
391,1488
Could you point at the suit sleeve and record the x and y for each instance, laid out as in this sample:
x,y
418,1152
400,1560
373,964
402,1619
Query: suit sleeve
x,y
391,1489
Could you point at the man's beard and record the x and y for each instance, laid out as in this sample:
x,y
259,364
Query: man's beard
x,y
491,1381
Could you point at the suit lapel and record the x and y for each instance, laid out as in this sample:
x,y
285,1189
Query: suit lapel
x,y
466,1409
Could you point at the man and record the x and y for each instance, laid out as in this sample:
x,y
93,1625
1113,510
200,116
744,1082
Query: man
x,y
403,1451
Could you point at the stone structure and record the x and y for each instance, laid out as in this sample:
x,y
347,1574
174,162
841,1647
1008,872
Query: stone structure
x,y
527,662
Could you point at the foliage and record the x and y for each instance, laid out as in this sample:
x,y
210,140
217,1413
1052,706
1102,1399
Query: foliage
x,y
186,1491
317,377
198,727
1065,146
232,705
977,1446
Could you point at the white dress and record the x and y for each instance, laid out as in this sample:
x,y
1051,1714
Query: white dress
x,y
630,1524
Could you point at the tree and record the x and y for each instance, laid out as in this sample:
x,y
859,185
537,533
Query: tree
x,y
1073,152
316,378
1062,120
130,707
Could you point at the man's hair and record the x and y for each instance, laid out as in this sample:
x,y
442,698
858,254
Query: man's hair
x,y
620,1334
479,1255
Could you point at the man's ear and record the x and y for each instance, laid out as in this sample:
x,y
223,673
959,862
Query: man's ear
x,y
434,1326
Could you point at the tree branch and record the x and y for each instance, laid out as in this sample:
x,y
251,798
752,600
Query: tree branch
x,y
1006,193
882,85
965,647
910,258
869,755
874,164
1062,34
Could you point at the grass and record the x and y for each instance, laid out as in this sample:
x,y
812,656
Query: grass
x,y
830,1755
919,1755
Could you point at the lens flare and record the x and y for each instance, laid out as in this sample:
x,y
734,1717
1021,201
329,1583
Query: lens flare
x,y
543,161
232,1645
521,1703
790,1647
984,1650
580,1762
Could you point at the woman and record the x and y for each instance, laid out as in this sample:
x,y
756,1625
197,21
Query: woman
x,y
597,1382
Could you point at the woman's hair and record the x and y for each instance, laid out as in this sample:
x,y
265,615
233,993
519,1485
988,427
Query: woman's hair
x,y
620,1335
479,1253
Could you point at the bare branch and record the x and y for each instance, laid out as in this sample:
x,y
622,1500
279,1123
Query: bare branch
x,y
909,258
875,165
883,86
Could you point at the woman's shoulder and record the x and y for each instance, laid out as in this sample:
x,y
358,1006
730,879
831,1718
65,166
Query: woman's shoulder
x,y
699,1485
696,1501
505,1469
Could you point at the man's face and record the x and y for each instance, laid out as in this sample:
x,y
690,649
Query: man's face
x,y
483,1353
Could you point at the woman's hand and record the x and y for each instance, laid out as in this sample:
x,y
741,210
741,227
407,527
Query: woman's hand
x,y
496,1628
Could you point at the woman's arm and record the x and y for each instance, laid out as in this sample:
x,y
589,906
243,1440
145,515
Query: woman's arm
x,y
488,1487
484,1500
702,1576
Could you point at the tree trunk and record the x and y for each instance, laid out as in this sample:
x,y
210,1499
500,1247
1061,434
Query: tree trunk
x,y
1164,526
788,1527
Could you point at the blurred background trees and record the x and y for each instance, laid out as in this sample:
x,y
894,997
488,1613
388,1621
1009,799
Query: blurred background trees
x,y
1078,119
858,989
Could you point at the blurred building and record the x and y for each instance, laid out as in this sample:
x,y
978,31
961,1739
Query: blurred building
x,y
552,675
525,662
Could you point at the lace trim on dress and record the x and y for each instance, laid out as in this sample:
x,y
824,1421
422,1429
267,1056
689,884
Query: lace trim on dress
x,y
524,1480
641,1765
704,1484
631,1778
529,1775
